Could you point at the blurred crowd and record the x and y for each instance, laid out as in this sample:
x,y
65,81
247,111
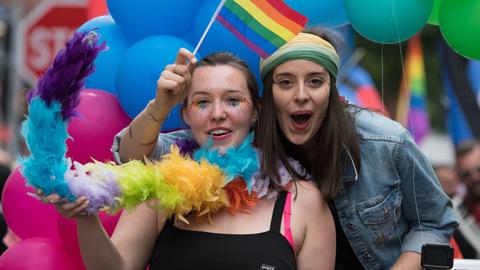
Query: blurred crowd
x,y
458,170
6,165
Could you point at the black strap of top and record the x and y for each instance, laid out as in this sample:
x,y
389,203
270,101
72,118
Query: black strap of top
x,y
278,212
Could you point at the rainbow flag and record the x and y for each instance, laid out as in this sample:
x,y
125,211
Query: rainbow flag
x,y
263,25
412,107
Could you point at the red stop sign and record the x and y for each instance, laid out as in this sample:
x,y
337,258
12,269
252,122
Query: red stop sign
x,y
44,32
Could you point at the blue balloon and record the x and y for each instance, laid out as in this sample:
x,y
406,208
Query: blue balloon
x,y
139,70
388,21
190,38
345,38
107,61
220,38
317,11
143,18
338,20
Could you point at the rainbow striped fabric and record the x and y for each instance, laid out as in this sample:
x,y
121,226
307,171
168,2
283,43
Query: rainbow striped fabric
x,y
263,25
412,104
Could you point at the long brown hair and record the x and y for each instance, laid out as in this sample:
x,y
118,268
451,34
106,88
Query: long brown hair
x,y
336,141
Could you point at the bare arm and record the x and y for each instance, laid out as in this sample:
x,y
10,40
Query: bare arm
x,y
408,260
142,133
318,248
98,252
172,86
131,244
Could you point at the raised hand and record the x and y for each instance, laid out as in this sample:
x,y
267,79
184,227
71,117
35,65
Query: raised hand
x,y
173,84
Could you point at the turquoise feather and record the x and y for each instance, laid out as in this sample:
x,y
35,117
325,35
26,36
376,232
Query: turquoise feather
x,y
45,133
239,161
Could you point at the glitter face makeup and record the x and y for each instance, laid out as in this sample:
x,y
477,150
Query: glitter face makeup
x,y
230,104
219,106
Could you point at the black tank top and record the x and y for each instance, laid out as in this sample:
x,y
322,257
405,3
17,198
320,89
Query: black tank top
x,y
178,249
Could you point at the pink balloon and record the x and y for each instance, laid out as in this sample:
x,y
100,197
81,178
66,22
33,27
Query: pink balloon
x,y
37,253
27,216
93,131
67,230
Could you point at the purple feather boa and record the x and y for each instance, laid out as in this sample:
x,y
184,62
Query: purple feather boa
x,y
186,146
65,78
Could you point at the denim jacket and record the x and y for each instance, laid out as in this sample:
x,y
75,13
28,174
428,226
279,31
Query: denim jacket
x,y
394,203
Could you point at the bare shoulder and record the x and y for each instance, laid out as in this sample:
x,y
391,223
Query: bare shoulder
x,y
313,227
307,196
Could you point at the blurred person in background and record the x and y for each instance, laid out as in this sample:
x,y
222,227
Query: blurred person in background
x,y
440,150
5,170
468,167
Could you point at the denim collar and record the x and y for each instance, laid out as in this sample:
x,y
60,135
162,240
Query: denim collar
x,y
350,170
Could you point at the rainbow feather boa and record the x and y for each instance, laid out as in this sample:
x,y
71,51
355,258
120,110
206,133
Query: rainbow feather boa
x,y
177,184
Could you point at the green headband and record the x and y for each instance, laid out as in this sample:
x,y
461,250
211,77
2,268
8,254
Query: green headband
x,y
304,46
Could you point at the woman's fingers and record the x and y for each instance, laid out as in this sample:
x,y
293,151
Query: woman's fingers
x,y
174,83
52,198
175,80
168,86
70,206
179,78
73,209
170,67
185,72
65,208
39,192
184,56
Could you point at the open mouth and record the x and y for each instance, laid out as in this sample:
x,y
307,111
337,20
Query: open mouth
x,y
301,118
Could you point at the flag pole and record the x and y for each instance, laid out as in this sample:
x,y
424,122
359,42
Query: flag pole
x,y
209,26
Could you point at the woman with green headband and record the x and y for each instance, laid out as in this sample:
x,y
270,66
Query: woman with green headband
x,y
383,193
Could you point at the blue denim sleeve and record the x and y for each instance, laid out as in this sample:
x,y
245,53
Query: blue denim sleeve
x,y
116,146
165,140
426,207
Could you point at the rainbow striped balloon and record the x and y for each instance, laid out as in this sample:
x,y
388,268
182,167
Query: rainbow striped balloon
x,y
263,25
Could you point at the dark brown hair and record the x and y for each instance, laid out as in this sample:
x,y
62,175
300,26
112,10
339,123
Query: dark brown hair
x,y
326,158
466,147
